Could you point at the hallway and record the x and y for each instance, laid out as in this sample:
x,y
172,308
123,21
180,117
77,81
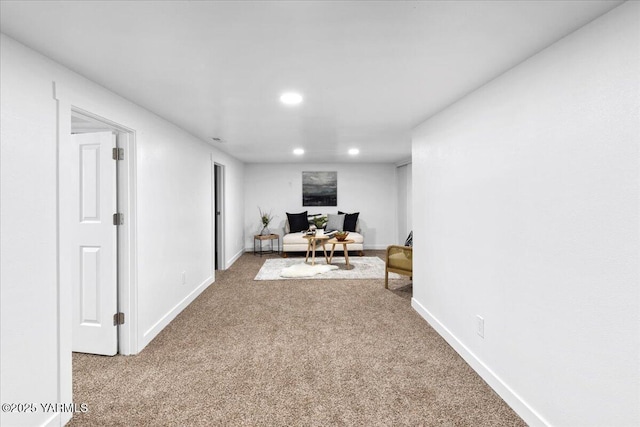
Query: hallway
x,y
292,352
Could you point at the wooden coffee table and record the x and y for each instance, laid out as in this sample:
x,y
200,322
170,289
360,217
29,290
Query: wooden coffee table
x,y
311,246
344,243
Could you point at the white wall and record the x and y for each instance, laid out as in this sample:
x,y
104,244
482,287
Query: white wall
x,y
405,202
527,197
174,222
28,264
366,188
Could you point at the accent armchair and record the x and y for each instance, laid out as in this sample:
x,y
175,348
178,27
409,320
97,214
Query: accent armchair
x,y
399,260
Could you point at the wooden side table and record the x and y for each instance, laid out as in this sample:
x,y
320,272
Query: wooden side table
x,y
269,237
344,243
311,247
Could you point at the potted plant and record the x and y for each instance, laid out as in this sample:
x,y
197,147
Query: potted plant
x,y
319,221
265,218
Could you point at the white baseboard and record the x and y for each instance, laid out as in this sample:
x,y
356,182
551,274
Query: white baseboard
x,y
234,258
528,414
57,420
150,334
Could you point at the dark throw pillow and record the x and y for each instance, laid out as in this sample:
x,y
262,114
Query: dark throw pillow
x,y
298,222
350,221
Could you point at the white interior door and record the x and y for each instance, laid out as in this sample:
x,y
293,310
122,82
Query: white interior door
x,y
88,200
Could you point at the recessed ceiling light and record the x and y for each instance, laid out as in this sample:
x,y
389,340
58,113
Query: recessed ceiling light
x,y
291,98
298,151
353,151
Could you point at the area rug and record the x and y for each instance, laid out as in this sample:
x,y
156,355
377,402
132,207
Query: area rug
x,y
361,268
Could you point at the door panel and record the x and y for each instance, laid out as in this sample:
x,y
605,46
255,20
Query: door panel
x,y
89,239
89,286
89,182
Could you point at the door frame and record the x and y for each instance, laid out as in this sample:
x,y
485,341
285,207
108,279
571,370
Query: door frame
x,y
70,102
218,223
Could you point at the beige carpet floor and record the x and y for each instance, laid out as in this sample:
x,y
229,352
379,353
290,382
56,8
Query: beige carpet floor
x,y
290,353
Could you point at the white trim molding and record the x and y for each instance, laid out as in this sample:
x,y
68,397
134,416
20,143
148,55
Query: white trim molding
x,y
154,330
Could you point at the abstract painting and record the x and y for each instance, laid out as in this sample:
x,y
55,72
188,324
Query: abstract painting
x,y
319,188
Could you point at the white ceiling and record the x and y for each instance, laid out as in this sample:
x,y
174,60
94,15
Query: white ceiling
x,y
369,71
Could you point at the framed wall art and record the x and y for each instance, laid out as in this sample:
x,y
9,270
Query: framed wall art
x,y
320,188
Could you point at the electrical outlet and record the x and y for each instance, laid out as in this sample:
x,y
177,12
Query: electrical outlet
x,y
480,325
184,277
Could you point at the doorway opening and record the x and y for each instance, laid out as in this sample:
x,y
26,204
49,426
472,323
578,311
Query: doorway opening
x,y
96,230
77,110
218,212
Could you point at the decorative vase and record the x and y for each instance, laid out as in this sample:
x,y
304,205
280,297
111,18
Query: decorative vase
x,y
265,231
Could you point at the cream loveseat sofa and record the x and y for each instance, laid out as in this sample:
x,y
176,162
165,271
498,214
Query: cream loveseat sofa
x,y
295,241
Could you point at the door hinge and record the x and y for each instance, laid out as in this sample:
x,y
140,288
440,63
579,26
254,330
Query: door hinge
x,y
118,219
118,319
118,153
